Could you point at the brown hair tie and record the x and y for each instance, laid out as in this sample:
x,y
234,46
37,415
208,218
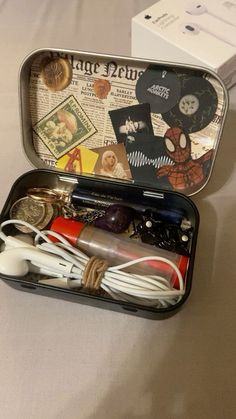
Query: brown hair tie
x,y
93,274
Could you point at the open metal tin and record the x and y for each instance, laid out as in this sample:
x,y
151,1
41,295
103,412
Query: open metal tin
x,y
163,122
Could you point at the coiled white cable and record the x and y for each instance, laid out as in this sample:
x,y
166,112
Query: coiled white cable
x,y
148,290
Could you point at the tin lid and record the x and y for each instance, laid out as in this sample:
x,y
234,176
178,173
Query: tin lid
x,y
144,122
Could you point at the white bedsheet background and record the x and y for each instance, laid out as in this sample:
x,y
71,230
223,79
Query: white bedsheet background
x,y
60,360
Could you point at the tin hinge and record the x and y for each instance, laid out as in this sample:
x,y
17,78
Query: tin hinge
x,y
68,179
151,194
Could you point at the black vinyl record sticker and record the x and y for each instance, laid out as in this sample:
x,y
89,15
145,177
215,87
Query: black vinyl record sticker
x,y
196,106
160,87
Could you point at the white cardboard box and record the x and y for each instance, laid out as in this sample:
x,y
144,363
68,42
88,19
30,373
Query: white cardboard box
x,y
189,32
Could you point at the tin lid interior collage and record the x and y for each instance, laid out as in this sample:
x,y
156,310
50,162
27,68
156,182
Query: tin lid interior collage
x,y
145,123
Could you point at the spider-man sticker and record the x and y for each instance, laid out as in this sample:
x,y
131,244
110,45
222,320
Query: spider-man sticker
x,y
185,174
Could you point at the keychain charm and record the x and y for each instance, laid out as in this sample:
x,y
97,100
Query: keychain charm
x,y
61,201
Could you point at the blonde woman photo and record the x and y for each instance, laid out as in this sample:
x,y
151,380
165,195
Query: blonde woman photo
x,y
111,167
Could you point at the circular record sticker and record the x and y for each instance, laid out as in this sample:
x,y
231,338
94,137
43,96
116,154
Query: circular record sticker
x,y
196,107
160,87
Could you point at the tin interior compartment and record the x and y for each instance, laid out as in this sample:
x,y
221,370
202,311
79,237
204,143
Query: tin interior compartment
x,y
161,122
148,197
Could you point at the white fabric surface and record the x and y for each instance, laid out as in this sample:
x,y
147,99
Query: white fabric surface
x,y
61,360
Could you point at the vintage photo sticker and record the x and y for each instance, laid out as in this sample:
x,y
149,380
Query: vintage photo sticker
x,y
132,120
64,127
112,162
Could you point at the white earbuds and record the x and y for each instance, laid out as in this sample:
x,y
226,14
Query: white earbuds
x,y
17,262
197,8
195,29
67,264
12,262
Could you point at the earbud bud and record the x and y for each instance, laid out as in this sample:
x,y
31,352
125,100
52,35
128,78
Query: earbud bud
x,y
12,263
190,29
18,261
195,29
197,8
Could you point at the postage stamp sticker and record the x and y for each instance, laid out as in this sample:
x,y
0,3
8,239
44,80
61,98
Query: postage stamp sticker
x,y
64,127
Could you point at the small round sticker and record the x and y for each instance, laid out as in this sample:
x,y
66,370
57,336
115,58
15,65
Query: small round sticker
x,y
160,87
101,88
188,104
56,73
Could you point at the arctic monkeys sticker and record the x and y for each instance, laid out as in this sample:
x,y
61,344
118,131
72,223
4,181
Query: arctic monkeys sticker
x,y
160,87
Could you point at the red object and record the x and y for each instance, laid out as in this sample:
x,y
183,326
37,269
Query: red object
x,y
68,228
94,241
183,266
73,156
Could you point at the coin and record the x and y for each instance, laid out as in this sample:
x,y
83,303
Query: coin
x,y
49,214
56,73
26,209
57,209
